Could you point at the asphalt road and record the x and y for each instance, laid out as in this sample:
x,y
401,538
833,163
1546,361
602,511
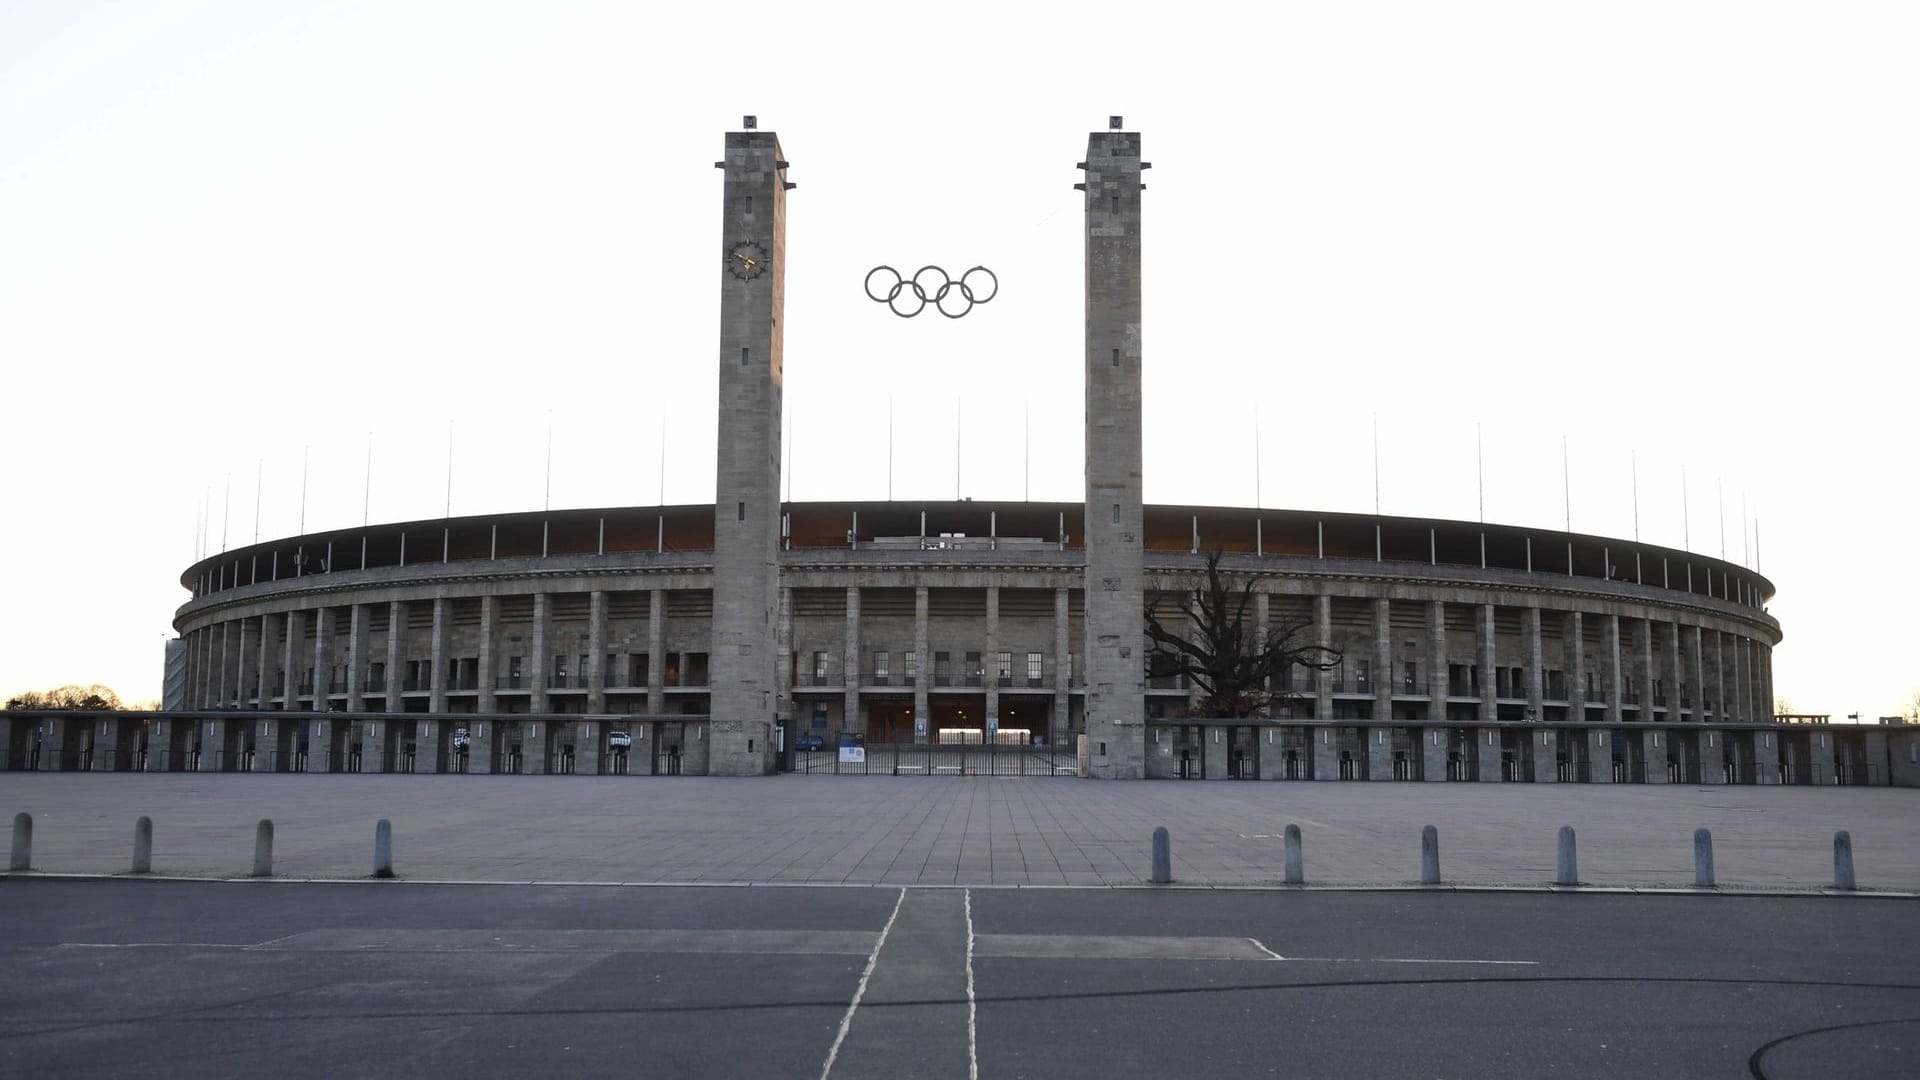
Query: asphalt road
x,y
159,978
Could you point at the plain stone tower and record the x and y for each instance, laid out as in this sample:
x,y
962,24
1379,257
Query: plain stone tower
x,y
746,513
1116,574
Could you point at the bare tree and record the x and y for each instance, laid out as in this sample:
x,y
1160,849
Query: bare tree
x,y
1240,668
94,697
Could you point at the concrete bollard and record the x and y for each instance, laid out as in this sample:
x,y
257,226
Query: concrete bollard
x,y
22,842
1569,859
143,845
1842,860
1162,857
1429,856
383,848
263,849
1703,858
1296,865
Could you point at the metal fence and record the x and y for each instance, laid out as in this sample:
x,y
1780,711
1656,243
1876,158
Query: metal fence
x,y
936,760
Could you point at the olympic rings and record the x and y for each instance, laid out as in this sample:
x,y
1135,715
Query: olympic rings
x,y
924,294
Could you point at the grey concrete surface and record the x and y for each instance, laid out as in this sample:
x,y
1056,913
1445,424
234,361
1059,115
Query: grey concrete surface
x,y
951,830
170,978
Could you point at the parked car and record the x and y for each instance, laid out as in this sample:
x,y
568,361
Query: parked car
x,y
809,742
620,740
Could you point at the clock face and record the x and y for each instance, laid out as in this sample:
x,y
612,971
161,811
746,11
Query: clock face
x,y
746,260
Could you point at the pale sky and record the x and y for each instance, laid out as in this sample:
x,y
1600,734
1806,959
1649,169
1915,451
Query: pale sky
x,y
1680,232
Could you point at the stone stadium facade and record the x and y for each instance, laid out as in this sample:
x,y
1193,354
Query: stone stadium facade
x,y
965,636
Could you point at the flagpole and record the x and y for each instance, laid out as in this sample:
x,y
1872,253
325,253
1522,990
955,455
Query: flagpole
x,y
306,453
1635,460
1566,482
226,510
1376,464
259,469
449,468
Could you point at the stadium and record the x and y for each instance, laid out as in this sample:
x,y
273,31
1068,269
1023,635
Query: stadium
x,y
754,635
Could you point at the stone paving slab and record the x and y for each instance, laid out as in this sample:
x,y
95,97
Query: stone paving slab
x,y
979,831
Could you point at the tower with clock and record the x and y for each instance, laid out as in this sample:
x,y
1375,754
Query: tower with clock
x,y
746,515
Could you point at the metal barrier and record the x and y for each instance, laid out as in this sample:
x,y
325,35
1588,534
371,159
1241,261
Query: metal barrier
x,y
1846,773
938,760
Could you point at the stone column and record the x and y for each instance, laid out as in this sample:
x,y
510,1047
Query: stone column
x,y
1326,756
850,719
396,651
1436,660
1262,622
437,660
1573,640
1820,756
1694,652
542,663
1379,753
1877,747
1433,754
597,651
426,744
1213,752
322,657
241,672
1719,680
289,660
1489,677
656,651
1489,756
1643,667
480,746
106,743
373,740
1536,665
992,667
783,676
266,745
489,700
213,744
1711,756
1610,669
223,669
356,660
1600,754
319,745
1743,690
1765,663
534,748
922,721
263,665
1382,660
586,747
1062,670
1323,637
1653,751
1546,753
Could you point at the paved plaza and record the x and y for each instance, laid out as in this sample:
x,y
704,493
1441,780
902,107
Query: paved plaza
x,y
973,831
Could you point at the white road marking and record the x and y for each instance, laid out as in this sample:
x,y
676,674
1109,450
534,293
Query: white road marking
x,y
1141,947
973,1033
846,1022
1404,960
1264,949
